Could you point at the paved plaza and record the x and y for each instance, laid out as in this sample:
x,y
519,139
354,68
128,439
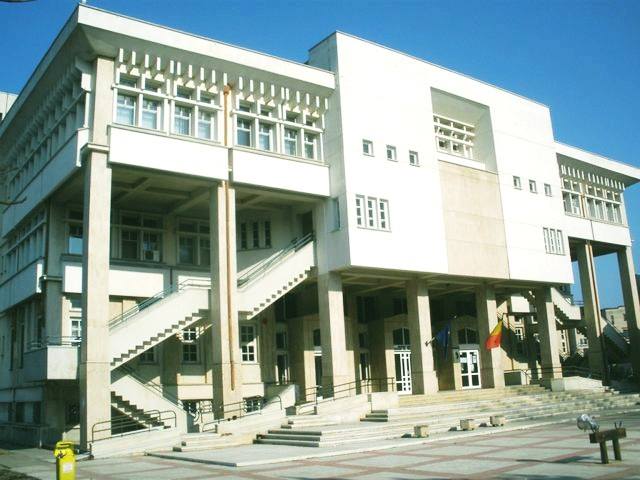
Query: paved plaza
x,y
559,451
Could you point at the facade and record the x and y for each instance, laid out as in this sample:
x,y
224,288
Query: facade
x,y
6,100
616,317
195,225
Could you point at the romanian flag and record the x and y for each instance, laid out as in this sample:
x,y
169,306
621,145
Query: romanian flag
x,y
494,339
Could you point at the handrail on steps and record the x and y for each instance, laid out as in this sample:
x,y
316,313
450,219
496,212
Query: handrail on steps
x,y
127,425
236,410
295,245
367,385
155,387
126,315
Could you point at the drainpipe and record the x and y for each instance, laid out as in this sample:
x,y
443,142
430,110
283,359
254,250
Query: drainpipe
x,y
225,185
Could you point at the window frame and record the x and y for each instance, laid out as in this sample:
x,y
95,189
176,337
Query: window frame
x,y
248,337
367,147
414,155
391,153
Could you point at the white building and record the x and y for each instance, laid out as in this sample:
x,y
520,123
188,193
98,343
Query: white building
x,y
6,100
196,223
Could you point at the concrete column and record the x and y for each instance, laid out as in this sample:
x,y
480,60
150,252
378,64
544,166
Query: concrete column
x,y
95,370
335,369
631,305
226,363
491,370
423,375
546,316
591,308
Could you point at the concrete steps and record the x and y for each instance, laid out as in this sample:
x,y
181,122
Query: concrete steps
x,y
444,414
194,442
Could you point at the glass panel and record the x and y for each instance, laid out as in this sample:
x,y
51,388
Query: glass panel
x,y
187,250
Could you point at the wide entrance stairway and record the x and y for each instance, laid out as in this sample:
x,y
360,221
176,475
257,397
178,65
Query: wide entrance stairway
x,y
442,412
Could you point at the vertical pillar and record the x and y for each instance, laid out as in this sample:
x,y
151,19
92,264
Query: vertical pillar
x,y
423,375
597,361
491,370
335,369
546,316
631,305
226,365
95,370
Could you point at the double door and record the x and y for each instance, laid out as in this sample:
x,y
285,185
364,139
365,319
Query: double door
x,y
470,368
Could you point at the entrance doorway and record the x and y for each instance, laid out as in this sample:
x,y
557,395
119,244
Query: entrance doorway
x,y
307,223
317,361
402,358
470,368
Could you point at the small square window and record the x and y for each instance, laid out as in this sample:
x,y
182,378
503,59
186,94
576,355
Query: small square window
x,y
128,81
152,85
391,153
547,190
206,97
245,107
517,183
367,147
413,159
533,186
183,92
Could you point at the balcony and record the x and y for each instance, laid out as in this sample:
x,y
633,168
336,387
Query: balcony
x,y
55,358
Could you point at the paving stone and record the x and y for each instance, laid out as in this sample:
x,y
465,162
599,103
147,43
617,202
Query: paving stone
x,y
461,466
386,461
457,450
398,476
523,454
312,471
561,471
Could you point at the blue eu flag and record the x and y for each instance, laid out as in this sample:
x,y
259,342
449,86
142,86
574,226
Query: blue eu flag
x,y
443,338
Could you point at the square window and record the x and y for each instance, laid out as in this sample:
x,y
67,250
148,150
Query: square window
x,y
126,110
367,147
391,153
184,92
413,159
290,141
517,183
128,81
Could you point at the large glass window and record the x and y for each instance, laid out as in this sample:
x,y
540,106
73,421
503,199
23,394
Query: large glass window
x,y
310,142
290,141
182,120
126,109
243,128
75,240
205,125
193,243
150,113
190,345
248,342
264,136
140,237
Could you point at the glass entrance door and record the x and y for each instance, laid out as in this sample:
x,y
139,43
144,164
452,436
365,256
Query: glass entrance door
x,y
470,368
403,371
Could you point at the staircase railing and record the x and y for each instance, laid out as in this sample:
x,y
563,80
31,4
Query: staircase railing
x,y
120,425
155,388
566,371
258,269
236,410
126,315
320,394
68,341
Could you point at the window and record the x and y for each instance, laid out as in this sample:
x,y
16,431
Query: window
x,y
372,213
367,147
533,186
553,241
317,339
184,92
243,132
547,190
266,111
310,142
261,235
148,356
413,159
140,237
264,136
335,208
193,243
189,345
467,336
391,153
572,203
126,109
75,317
74,245
205,125
243,236
248,343
182,120
150,114
399,306
290,141
517,183
128,81
267,234
453,136
152,85
255,235
359,210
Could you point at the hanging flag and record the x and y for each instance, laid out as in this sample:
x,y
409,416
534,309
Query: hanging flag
x,y
443,338
496,335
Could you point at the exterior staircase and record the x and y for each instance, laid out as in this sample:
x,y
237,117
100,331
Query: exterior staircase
x,y
443,411
272,278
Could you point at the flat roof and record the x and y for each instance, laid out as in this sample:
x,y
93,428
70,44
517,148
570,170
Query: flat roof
x,y
628,174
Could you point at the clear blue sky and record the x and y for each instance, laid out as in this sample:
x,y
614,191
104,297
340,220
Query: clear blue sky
x,y
582,58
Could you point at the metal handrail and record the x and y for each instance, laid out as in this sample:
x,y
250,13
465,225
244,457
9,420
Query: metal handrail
x,y
329,394
566,371
295,245
123,317
155,387
125,423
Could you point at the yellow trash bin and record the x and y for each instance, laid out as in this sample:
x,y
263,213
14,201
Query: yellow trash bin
x,y
65,461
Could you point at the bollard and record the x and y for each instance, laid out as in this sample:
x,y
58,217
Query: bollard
x,y
421,431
